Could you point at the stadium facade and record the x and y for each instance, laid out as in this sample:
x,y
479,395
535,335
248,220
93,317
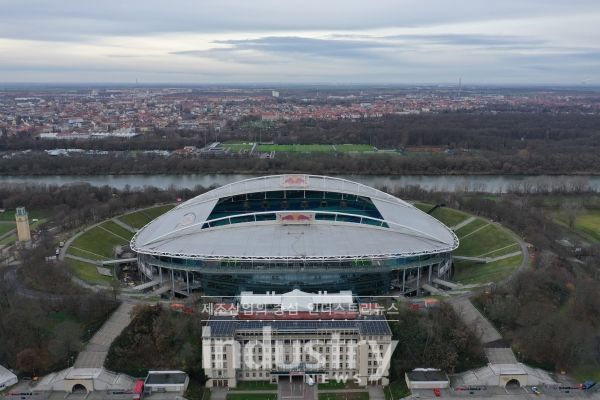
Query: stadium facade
x,y
285,232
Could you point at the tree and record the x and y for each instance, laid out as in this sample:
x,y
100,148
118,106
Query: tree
x,y
28,360
570,211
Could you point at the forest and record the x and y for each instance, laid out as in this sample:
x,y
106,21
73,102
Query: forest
x,y
482,144
39,335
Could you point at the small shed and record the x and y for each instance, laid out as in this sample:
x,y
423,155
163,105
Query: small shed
x,y
166,381
427,378
7,378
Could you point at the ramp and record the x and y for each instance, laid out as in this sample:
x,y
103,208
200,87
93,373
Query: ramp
x,y
445,283
465,222
500,355
472,317
430,288
146,285
163,289
475,259
119,261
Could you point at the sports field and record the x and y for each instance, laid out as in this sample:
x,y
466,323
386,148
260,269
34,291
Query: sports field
x,y
589,223
314,147
354,148
275,147
238,147
295,148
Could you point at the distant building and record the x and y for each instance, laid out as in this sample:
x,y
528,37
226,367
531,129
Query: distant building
x,y
275,93
22,225
270,116
7,378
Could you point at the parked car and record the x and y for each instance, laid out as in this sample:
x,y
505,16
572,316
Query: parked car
x,y
588,384
535,390
437,392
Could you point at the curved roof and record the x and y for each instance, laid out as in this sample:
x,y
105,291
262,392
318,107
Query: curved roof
x,y
402,230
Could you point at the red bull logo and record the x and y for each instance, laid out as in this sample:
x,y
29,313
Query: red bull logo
x,y
294,180
296,217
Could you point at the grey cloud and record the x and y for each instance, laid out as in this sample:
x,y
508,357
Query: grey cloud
x,y
67,20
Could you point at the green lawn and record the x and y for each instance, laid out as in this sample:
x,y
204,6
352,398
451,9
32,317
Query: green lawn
x,y
275,147
446,216
9,240
353,147
488,239
586,372
344,396
589,223
252,396
9,214
117,229
332,385
87,272
136,220
470,273
85,254
255,385
227,143
5,228
314,147
398,390
97,241
158,211
238,147
471,227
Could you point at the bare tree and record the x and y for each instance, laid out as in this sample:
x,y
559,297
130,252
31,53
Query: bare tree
x,y
570,211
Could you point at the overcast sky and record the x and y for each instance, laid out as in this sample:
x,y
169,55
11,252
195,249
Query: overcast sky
x,y
324,41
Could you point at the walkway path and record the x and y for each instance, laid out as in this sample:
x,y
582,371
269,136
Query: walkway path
x,y
465,222
86,260
94,354
473,318
112,233
123,224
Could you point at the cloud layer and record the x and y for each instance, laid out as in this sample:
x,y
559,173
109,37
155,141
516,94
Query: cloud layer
x,y
234,41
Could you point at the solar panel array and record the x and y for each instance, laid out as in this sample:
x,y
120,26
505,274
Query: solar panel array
x,y
224,326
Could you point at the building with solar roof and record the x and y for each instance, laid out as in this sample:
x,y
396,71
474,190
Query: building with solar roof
x,y
295,337
285,232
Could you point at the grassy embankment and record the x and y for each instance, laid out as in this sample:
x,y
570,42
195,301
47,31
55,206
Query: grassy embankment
x,y
98,243
479,238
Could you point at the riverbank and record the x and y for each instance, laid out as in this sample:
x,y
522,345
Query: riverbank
x,y
483,183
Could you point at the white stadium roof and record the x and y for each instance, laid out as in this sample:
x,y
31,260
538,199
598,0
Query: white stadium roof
x,y
404,230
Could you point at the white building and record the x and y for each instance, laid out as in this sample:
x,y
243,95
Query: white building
x,y
7,378
268,342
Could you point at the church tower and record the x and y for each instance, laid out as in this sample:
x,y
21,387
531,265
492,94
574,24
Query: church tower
x,y
23,232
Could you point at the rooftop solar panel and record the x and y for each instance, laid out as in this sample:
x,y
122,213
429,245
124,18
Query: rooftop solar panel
x,y
224,326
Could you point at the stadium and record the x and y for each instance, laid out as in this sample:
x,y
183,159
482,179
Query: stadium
x,y
285,232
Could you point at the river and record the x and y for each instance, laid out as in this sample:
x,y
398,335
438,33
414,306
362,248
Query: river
x,y
493,183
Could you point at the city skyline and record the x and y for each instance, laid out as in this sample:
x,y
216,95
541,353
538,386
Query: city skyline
x,y
409,42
